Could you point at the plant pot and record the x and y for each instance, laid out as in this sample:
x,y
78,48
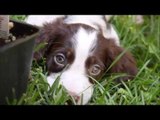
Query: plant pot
x,y
15,61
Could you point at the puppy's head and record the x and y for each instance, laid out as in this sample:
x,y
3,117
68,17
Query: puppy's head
x,y
79,52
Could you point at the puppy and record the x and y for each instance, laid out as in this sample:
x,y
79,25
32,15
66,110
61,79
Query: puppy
x,y
78,49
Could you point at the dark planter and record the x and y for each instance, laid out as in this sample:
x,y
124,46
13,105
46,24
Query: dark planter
x,y
15,61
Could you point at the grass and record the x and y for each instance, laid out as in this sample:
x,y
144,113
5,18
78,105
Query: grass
x,y
144,43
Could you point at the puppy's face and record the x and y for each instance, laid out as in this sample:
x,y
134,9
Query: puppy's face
x,y
77,53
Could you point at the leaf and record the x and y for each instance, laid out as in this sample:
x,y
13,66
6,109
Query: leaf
x,y
40,46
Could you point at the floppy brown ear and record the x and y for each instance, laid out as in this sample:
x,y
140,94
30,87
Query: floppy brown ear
x,y
40,44
122,60
48,33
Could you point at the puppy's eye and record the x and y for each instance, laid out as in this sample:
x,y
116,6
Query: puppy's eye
x,y
95,70
59,59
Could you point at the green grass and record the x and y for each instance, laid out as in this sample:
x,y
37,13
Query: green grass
x,y
144,43
18,17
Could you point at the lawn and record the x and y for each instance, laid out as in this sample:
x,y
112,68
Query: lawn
x,y
143,41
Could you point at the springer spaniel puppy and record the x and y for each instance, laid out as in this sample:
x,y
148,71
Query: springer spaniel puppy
x,y
78,49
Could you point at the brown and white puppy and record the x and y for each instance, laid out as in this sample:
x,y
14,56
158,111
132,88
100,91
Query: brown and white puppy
x,y
78,48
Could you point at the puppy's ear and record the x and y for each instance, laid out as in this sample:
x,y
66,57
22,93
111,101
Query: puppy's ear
x,y
109,32
108,17
48,33
121,61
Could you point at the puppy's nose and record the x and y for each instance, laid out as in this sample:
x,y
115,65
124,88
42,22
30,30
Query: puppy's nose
x,y
75,96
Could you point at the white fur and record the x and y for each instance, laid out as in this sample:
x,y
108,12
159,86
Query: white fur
x,y
92,20
111,34
108,17
52,77
39,20
95,21
74,79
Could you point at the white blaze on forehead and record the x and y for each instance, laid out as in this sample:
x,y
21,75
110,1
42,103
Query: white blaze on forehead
x,y
75,77
84,42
